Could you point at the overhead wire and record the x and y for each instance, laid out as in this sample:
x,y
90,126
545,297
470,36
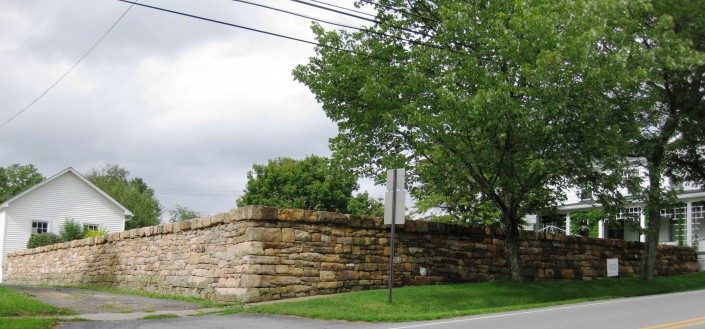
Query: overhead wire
x,y
376,21
336,11
344,8
61,78
405,12
274,34
416,42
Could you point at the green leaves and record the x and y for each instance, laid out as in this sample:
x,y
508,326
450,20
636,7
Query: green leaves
x,y
180,213
133,193
313,183
16,178
504,107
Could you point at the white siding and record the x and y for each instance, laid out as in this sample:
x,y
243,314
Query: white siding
x,y
66,196
2,241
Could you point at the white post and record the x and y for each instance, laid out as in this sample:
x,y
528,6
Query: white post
x,y
601,229
642,224
567,224
689,224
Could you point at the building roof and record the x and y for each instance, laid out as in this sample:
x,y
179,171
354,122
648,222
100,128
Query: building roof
x,y
69,170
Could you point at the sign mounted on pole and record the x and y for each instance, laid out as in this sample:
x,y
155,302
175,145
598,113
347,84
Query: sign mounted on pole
x,y
399,207
395,179
394,201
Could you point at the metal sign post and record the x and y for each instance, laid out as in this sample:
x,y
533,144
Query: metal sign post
x,y
393,214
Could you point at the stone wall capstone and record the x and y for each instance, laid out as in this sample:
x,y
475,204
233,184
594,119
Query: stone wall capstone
x,y
258,253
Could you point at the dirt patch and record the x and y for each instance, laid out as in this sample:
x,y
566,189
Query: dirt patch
x,y
92,302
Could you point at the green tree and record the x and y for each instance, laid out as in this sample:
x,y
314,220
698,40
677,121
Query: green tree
x,y
180,213
363,204
667,104
496,100
313,183
133,193
16,178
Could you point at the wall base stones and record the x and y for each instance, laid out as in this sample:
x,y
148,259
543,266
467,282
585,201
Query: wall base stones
x,y
258,253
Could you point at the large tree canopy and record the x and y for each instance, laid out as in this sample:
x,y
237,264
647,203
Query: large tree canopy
x,y
482,101
312,183
16,178
667,105
133,193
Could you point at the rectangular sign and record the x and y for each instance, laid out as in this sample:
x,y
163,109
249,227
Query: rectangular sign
x,y
400,179
401,201
612,267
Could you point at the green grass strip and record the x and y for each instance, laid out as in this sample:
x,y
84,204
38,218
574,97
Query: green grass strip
x,y
13,303
450,300
28,323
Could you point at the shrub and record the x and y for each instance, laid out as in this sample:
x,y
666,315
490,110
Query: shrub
x,y
43,239
94,233
72,230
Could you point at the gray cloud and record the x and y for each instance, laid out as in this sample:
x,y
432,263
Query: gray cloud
x,y
188,106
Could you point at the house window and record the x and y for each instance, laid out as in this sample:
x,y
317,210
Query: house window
x,y
87,227
673,233
615,229
40,227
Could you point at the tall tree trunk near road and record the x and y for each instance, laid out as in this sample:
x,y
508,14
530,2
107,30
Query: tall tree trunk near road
x,y
516,268
653,213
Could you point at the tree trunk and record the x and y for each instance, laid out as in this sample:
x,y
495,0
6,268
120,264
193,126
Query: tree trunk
x,y
653,223
516,268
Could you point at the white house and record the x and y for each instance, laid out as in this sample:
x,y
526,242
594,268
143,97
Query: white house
x,y
45,207
686,221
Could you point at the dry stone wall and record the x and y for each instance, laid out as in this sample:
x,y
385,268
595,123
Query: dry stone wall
x,y
259,253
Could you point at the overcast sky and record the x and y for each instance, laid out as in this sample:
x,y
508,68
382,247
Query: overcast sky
x,y
187,105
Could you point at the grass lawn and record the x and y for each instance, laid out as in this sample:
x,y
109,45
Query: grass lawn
x,y
17,308
27,323
13,303
443,301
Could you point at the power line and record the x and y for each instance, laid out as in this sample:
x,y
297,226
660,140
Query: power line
x,y
72,67
378,22
274,34
336,11
405,12
337,24
223,23
298,15
344,8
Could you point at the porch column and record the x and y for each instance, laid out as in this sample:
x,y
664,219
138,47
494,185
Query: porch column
x,y
567,224
601,229
689,223
642,224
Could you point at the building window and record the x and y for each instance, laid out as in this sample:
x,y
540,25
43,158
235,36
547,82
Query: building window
x,y
675,217
615,229
40,227
87,227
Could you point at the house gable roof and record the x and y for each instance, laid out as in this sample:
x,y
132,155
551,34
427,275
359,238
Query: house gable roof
x,y
72,171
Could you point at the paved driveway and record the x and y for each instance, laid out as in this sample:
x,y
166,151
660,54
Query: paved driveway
x,y
96,302
680,310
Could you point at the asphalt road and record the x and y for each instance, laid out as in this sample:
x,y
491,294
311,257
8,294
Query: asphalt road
x,y
680,310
